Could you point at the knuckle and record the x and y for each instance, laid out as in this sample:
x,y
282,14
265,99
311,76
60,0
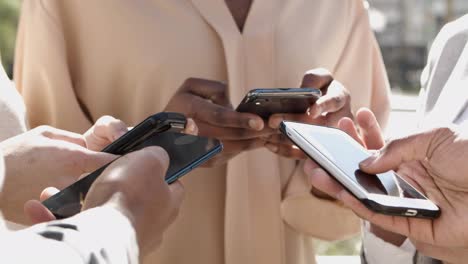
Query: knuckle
x,y
149,161
243,133
44,130
250,144
219,116
77,160
190,81
319,78
337,100
319,72
104,120
443,131
158,157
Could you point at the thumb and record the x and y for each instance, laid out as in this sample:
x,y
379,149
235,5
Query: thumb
x,y
398,151
47,193
317,78
37,212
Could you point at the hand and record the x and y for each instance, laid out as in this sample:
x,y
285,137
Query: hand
x,y
106,130
42,157
207,102
328,110
134,184
440,156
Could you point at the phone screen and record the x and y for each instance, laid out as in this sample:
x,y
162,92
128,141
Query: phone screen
x,y
343,151
185,152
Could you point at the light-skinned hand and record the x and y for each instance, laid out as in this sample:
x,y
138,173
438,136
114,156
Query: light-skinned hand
x,y
47,156
134,185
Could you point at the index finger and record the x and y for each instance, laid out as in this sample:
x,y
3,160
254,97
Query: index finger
x,y
224,117
63,135
370,128
214,91
347,125
398,151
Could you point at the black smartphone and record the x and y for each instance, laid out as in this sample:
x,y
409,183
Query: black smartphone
x,y
157,123
265,102
186,152
340,155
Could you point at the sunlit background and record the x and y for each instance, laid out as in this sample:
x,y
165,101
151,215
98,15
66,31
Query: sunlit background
x,y
405,30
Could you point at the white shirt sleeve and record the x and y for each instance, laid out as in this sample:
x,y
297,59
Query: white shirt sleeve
x,y
99,235
377,251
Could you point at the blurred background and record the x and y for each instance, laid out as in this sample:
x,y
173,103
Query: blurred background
x,y
404,29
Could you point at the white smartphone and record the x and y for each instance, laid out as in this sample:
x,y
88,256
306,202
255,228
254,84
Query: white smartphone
x,y
339,154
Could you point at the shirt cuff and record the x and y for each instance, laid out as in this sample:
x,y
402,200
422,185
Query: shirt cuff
x,y
102,229
377,251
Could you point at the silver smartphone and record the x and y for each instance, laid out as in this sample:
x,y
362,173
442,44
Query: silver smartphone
x,y
339,154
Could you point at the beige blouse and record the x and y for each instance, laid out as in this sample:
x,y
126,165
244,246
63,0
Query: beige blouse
x,y
79,60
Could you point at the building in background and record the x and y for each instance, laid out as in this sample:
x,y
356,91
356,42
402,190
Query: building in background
x,y
405,29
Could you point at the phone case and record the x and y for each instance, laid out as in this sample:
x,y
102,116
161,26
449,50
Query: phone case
x,y
157,123
265,102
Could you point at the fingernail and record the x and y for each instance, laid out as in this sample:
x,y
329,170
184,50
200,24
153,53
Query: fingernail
x,y
257,125
272,148
190,129
368,161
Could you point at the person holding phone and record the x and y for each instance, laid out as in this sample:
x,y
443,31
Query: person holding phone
x,y
127,58
119,223
46,156
443,102
431,160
